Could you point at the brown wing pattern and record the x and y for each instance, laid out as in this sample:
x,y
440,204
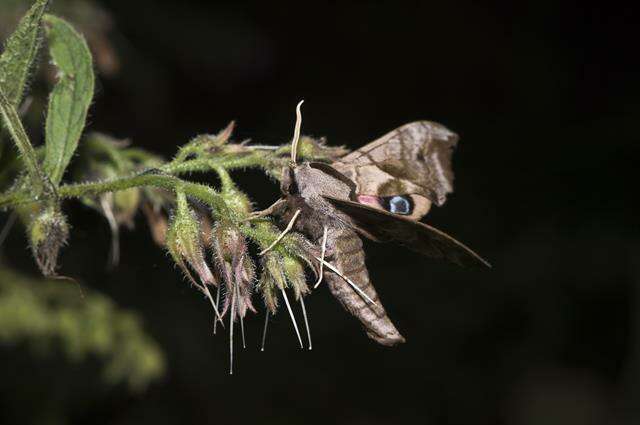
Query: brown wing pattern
x,y
422,238
413,159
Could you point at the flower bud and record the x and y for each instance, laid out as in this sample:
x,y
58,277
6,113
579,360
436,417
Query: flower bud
x,y
269,290
125,205
48,232
294,272
184,241
235,266
272,279
236,200
228,242
317,149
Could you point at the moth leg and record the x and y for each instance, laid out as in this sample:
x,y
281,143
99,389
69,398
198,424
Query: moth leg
x,y
346,279
324,250
293,319
270,210
282,234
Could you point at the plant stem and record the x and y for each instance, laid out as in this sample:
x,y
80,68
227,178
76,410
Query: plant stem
x,y
165,176
202,192
14,126
226,161
152,178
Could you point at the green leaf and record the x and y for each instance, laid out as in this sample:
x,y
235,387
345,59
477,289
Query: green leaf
x,y
70,98
20,51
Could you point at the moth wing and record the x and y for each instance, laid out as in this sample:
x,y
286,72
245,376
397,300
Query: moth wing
x,y
382,226
414,160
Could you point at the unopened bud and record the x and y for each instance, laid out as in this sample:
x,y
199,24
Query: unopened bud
x,y
48,232
125,206
184,241
237,201
228,241
268,288
317,149
272,279
294,271
234,265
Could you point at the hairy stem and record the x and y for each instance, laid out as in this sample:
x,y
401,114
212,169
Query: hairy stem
x,y
152,178
19,135
226,161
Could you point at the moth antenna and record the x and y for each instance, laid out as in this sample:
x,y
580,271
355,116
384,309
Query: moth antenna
x,y
282,234
215,322
244,345
296,133
324,250
114,255
231,318
356,287
293,319
306,321
264,330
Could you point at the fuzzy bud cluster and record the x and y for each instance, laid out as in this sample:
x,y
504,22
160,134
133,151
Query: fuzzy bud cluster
x,y
235,267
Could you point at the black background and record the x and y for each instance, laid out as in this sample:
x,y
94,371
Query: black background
x,y
545,98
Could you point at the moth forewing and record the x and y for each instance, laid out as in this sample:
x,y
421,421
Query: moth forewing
x,y
413,160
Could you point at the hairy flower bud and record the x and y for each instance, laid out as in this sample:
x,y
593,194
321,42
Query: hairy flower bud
x,y
309,147
48,232
184,241
235,266
272,279
294,272
125,205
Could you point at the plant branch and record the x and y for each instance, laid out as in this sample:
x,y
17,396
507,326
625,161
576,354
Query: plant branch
x,y
152,178
19,135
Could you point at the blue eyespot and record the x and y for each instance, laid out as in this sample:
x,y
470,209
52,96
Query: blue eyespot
x,y
398,204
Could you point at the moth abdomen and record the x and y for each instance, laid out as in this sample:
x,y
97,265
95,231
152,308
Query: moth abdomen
x,y
348,256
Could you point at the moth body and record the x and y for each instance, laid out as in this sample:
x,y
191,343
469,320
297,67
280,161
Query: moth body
x,y
306,190
348,256
380,192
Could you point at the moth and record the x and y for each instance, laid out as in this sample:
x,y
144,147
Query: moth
x,y
379,192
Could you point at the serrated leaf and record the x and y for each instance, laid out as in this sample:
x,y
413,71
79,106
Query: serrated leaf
x,y
70,98
20,52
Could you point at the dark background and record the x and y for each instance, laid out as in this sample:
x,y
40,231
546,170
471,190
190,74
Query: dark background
x,y
545,98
